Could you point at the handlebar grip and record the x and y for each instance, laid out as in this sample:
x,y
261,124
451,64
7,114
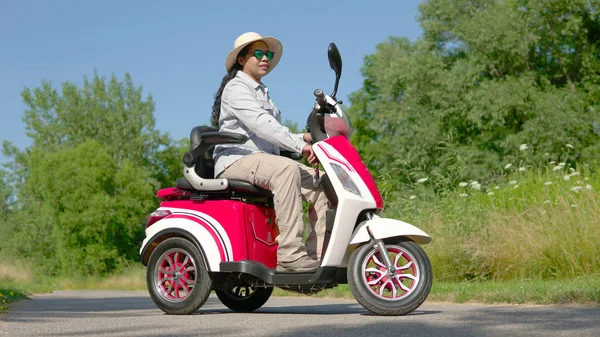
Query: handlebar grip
x,y
320,97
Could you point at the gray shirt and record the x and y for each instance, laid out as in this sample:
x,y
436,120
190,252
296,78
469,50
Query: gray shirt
x,y
247,109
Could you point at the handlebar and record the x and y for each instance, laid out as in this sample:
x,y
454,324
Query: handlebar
x,y
320,98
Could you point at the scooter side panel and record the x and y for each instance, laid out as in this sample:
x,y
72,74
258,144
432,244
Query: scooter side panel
x,y
261,234
232,230
382,228
226,218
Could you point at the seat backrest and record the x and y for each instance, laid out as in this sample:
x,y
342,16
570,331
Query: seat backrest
x,y
205,166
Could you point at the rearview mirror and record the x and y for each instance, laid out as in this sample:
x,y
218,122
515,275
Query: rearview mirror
x,y
335,62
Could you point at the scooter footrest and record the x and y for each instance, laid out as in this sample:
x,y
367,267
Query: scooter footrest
x,y
322,275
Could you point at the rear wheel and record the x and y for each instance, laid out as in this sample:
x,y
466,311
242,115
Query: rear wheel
x,y
390,292
244,298
177,280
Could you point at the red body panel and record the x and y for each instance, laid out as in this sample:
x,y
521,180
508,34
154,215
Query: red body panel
x,y
251,229
347,150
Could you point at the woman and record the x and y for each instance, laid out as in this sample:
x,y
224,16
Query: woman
x,y
243,105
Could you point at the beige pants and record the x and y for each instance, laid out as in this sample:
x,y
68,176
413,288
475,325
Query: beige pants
x,y
290,182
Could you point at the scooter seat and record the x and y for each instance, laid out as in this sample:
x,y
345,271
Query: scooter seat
x,y
239,186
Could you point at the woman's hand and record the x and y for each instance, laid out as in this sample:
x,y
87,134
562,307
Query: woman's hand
x,y
308,153
307,138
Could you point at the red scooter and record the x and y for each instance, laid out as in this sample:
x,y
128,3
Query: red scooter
x,y
219,234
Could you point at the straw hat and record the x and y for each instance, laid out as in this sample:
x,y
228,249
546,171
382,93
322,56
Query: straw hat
x,y
246,39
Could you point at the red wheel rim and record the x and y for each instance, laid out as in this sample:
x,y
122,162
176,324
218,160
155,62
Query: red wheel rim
x,y
385,284
175,275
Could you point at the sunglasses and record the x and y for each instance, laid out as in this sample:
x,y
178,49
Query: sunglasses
x,y
259,54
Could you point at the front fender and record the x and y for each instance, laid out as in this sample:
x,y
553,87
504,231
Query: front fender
x,y
387,228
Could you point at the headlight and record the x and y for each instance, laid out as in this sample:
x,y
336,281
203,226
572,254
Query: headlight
x,y
345,179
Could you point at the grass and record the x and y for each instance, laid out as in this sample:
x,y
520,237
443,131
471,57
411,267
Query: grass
x,y
541,225
9,296
580,291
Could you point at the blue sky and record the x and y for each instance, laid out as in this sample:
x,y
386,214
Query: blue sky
x,y
176,50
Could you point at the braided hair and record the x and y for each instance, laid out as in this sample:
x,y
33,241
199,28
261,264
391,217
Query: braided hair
x,y
216,109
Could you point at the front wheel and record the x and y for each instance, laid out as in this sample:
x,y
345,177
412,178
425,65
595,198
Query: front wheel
x,y
244,298
390,292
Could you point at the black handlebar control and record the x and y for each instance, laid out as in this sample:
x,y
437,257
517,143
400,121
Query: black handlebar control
x,y
320,98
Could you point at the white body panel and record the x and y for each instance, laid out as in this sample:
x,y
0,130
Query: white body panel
x,y
349,205
382,228
202,229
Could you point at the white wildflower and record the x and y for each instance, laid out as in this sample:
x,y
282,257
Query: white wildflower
x,y
575,188
575,173
547,202
463,195
569,146
573,205
586,178
562,164
567,177
552,162
523,147
463,184
522,169
476,187
422,180
512,182
588,187
516,186
546,154
490,193
412,197
507,166
548,183
497,187
557,168
474,182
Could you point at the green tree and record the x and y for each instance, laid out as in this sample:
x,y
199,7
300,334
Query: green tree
x,y
486,77
87,183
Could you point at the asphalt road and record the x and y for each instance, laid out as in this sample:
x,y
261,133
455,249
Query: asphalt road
x,y
129,313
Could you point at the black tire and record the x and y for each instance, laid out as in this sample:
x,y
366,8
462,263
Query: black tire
x,y
166,288
372,297
244,298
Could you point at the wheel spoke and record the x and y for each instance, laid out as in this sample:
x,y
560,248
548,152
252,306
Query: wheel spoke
x,y
190,268
170,288
410,276
397,258
406,266
384,286
166,279
187,280
380,276
184,286
377,262
185,262
171,264
402,285
176,259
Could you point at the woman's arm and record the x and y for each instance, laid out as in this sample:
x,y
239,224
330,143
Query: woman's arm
x,y
241,102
